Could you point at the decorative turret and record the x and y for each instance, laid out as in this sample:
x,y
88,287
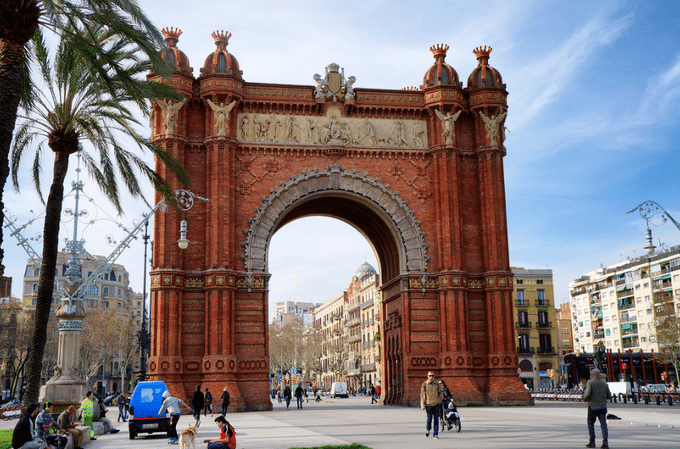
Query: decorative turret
x,y
484,75
174,54
221,61
440,74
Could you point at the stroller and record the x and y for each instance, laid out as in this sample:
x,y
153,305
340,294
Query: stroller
x,y
449,416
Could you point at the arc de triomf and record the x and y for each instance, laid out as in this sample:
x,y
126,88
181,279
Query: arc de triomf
x,y
419,172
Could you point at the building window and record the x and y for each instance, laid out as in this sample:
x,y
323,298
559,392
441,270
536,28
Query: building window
x,y
520,281
105,291
105,304
92,290
35,287
520,297
541,297
545,342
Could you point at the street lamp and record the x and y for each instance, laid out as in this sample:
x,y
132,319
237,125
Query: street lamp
x,y
648,209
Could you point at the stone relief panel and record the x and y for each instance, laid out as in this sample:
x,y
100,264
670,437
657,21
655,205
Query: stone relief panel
x,y
331,130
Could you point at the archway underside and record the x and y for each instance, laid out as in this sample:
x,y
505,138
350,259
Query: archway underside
x,y
373,228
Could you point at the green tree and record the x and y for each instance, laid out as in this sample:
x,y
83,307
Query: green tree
x,y
19,20
78,105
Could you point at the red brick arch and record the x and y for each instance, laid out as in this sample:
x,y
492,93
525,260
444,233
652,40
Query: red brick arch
x,y
418,172
366,203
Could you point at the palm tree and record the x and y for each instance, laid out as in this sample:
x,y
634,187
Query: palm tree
x,y
73,107
19,20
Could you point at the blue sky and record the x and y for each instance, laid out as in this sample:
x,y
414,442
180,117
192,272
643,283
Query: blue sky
x,y
594,90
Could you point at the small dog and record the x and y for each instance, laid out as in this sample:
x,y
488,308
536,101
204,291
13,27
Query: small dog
x,y
186,438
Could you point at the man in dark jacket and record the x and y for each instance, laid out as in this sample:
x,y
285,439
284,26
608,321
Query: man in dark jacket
x,y
23,432
225,401
299,393
596,395
197,403
287,396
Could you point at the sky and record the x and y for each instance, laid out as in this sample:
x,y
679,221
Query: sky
x,y
593,128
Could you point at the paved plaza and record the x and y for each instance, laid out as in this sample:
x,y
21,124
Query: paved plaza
x,y
355,420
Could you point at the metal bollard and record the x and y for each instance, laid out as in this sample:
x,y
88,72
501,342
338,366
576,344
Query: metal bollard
x,y
670,399
635,399
625,399
646,399
658,399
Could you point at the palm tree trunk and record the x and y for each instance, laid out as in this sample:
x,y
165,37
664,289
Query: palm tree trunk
x,y
47,273
20,19
11,70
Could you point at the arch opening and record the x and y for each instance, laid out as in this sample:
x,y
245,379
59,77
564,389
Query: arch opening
x,y
364,202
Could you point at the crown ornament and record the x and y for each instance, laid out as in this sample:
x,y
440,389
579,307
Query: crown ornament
x,y
171,33
221,38
482,53
439,50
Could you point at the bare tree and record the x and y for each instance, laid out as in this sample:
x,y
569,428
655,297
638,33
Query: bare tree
x,y
668,337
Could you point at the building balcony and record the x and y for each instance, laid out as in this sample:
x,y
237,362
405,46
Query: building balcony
x,y
546,350
544,325
368,367
366,303
367,344
354,372
523,350
542,303
662,297
522,303
523,326
354,339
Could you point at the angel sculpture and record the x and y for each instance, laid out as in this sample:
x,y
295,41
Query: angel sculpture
x,y
221,114
170,111
448,128
491,125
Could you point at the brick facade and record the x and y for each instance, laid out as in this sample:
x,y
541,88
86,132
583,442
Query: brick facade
x,y
431,201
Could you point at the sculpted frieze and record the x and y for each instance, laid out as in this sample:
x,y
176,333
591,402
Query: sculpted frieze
x,y
331,130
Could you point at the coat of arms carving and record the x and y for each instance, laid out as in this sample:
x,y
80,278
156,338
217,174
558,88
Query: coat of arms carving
x,y
334,85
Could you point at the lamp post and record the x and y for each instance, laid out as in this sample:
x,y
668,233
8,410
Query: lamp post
x,y
143,339
649,209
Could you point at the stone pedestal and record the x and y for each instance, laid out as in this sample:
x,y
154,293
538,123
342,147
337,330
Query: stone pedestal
x,y
66,387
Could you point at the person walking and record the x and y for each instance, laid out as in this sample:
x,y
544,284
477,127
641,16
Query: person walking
x,y
299,394
120,401
431,397
225,401
171,406
287,396
208,403
198,402
278,394
373,398
596,395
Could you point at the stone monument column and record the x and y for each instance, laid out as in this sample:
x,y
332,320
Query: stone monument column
x,y
66,387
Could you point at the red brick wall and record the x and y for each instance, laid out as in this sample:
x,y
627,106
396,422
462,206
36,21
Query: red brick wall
x,y
210,320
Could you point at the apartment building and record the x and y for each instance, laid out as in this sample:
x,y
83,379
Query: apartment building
x,y
618,306
535,326
350,328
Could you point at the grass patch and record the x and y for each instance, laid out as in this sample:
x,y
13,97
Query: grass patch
x,y
474,404
6,438
344,446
